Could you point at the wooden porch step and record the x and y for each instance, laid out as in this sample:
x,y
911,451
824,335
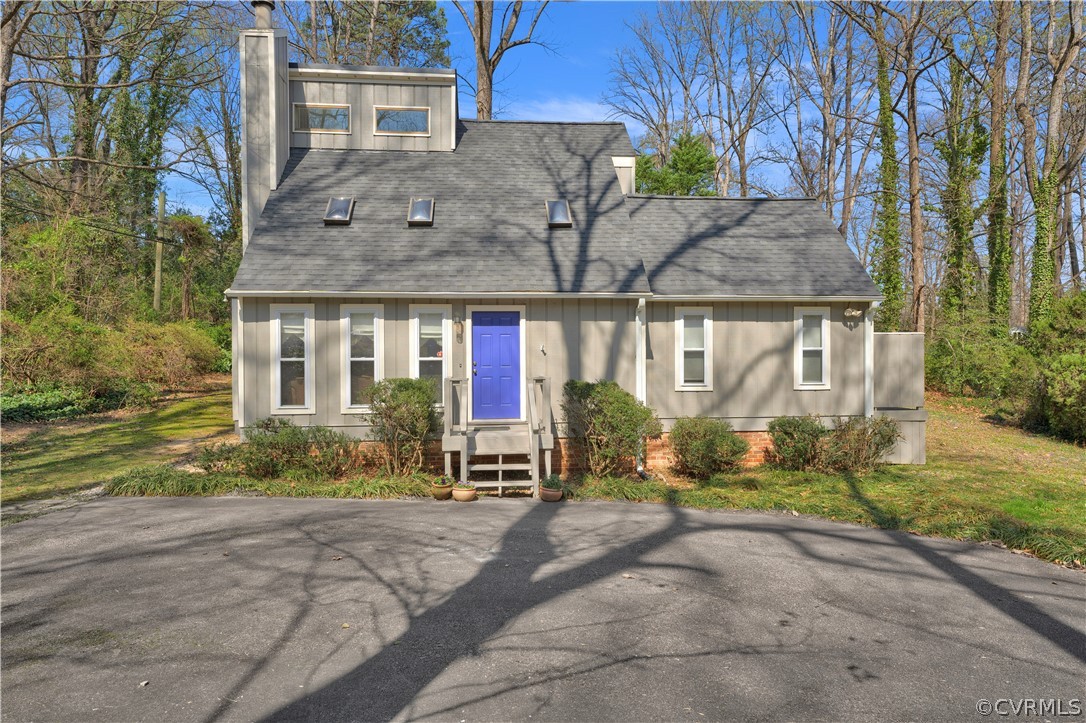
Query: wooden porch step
x,y
500,467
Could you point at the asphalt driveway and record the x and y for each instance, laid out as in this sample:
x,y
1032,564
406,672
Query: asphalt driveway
x,y
249,609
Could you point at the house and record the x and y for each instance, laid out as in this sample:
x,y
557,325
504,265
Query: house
x,y
384,236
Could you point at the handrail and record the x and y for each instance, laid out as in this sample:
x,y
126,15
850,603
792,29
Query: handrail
x,y
461,405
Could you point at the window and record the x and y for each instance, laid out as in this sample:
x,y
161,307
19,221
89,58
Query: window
x,y
420,212
812,343
322,118
401,121
430,344
339,211
292,361
362,342
693,348
558,215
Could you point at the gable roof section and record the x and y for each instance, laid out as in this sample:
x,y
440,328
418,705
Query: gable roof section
x,y
732,247
490,232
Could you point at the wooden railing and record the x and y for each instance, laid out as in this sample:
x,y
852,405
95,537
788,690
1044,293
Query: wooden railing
x,y
456,406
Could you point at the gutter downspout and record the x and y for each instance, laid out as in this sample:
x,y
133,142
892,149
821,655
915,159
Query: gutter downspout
x,y
640,375
869,360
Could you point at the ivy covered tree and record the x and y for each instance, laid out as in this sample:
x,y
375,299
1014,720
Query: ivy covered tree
x,y
689,170
962,148
887,236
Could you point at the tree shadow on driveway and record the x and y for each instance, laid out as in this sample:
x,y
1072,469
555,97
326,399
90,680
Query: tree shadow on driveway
x,y
388,683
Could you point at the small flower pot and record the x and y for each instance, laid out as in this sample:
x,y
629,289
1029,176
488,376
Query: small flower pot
x,y
441,492
463,495
548,495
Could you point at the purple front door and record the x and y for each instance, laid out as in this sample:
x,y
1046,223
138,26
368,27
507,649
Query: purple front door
x,y
495,364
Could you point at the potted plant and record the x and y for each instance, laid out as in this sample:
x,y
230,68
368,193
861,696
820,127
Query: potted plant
x,y
463,492
442,487
551,489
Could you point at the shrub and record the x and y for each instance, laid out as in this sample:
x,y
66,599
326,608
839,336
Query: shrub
x,y
45,404
277,448
610,421
854,444
964,357
797,442
1060,404
402,416
859,444
705,446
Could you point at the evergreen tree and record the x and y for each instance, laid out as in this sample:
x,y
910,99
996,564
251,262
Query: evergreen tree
x,y
689,170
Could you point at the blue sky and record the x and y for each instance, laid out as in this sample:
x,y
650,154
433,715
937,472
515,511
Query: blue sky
x,y
563,83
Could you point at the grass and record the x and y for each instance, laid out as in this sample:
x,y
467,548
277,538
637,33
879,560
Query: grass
x,y
167,481
983,481
46,460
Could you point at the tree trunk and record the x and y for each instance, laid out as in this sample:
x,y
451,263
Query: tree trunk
x,y
484,71
916,212
999,257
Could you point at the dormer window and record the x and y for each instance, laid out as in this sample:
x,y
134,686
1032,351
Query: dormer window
x,y
339,211
558,215
401,121
322,118
420,212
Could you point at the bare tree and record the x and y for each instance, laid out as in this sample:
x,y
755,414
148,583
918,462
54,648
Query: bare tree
x,y
1063,144
480,23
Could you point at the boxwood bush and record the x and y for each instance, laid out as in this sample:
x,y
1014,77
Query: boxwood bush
x,y
610,422
403,416
276,447
854,444
705,446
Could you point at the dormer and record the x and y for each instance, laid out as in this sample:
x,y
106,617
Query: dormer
x,y
337,107
372,108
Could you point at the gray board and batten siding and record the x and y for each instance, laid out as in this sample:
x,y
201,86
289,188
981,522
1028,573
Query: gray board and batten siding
x,y
362,99
752,363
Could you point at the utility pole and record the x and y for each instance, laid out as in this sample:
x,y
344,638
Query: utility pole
x,y
158,249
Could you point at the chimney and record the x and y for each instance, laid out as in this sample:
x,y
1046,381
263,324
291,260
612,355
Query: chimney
x,y
263,10
265,114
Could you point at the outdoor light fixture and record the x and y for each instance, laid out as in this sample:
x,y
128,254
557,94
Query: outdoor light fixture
x,y
851,313
458,327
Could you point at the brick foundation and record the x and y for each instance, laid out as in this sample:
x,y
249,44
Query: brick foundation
x,y
568,455
659,457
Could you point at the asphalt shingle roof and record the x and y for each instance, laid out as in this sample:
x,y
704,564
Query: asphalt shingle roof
x,y
744,247
490,230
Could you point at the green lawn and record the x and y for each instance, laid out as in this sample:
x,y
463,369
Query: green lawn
x,y
983,481
53,459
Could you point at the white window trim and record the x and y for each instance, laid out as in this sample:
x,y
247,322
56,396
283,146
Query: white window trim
x,y
276,310
293,118
797,343
415,134
446,341
345,311
681,312
523,331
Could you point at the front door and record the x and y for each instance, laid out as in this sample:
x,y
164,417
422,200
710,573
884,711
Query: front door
x,y
495,364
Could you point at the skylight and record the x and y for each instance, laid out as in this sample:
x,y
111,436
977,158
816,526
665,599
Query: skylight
x,y
558,215
420,212
339,211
